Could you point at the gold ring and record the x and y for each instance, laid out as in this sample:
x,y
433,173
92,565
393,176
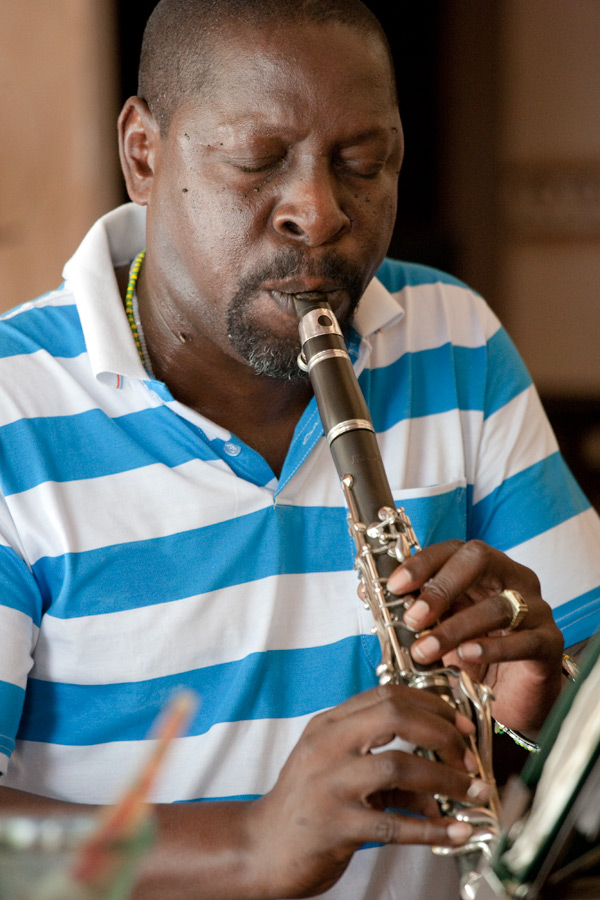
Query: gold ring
x,y
518,607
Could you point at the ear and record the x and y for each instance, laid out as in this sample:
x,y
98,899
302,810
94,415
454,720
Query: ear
x,y
139,137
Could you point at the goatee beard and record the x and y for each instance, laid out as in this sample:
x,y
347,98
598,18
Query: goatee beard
x,y
268,354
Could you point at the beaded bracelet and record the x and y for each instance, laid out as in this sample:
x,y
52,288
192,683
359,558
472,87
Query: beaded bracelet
x,y
519,739
571,670
570,667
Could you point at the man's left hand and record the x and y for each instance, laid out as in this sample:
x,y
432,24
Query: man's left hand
x,y
468,621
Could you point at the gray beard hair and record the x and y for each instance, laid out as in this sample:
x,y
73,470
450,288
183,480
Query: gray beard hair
x,y
268,355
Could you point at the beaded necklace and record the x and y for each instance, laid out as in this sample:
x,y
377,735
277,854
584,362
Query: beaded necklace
x,y
132,312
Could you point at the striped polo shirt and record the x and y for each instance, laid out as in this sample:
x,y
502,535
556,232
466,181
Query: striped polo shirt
x,y
144,548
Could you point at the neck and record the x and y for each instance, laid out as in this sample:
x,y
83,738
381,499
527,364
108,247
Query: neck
x,y
261,411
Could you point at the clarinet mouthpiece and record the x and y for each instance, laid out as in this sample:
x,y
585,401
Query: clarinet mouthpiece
x,y
305,300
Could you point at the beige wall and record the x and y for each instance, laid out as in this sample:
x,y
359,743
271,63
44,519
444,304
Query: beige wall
x,y
58,164
550,164
521,182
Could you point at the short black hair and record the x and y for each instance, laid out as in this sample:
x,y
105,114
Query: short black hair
x,y
175,59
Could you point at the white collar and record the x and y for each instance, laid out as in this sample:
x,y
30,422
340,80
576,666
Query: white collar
x,y
112,241
378,309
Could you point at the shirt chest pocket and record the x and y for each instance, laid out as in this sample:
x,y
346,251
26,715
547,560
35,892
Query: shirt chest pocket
x,y
437,513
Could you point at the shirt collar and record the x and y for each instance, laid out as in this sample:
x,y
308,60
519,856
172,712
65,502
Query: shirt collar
x,y
114,240
378,309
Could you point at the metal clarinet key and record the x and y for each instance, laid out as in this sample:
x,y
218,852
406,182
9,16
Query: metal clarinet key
x,y
384,537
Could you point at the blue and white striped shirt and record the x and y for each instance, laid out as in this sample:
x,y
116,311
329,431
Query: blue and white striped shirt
x,y
144,548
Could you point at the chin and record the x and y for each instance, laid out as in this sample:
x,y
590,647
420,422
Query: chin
x,y
270,357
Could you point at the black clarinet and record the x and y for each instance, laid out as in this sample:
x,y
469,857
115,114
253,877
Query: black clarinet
x,y
384,538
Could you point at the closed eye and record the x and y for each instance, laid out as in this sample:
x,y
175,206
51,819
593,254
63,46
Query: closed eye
x,y
254,165
361,169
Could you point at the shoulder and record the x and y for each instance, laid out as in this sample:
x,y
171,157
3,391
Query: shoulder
x,y
396,275
49,323
437,307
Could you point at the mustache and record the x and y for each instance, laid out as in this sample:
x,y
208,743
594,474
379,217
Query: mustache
x,y
292,262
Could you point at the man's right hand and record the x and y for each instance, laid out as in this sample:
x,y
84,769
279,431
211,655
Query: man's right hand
x,y
331,795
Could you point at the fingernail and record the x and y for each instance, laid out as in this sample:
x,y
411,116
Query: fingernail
x,y
470,761
470,652
459,832
416,614
479,790
426,650
398,580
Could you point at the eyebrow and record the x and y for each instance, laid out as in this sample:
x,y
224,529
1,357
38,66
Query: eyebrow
x,y
252,125
376,132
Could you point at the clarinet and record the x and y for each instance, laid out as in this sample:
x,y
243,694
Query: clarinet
x,y
383,538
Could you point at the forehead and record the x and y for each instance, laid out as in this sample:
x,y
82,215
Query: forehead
x,y
298,72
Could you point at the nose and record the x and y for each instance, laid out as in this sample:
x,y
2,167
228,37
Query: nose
x,y
310,210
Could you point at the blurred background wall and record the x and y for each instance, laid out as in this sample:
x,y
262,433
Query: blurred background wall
x,y
501,183
58,162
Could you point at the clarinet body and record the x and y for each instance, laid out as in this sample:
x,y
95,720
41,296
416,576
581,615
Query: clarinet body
x,y
384,538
